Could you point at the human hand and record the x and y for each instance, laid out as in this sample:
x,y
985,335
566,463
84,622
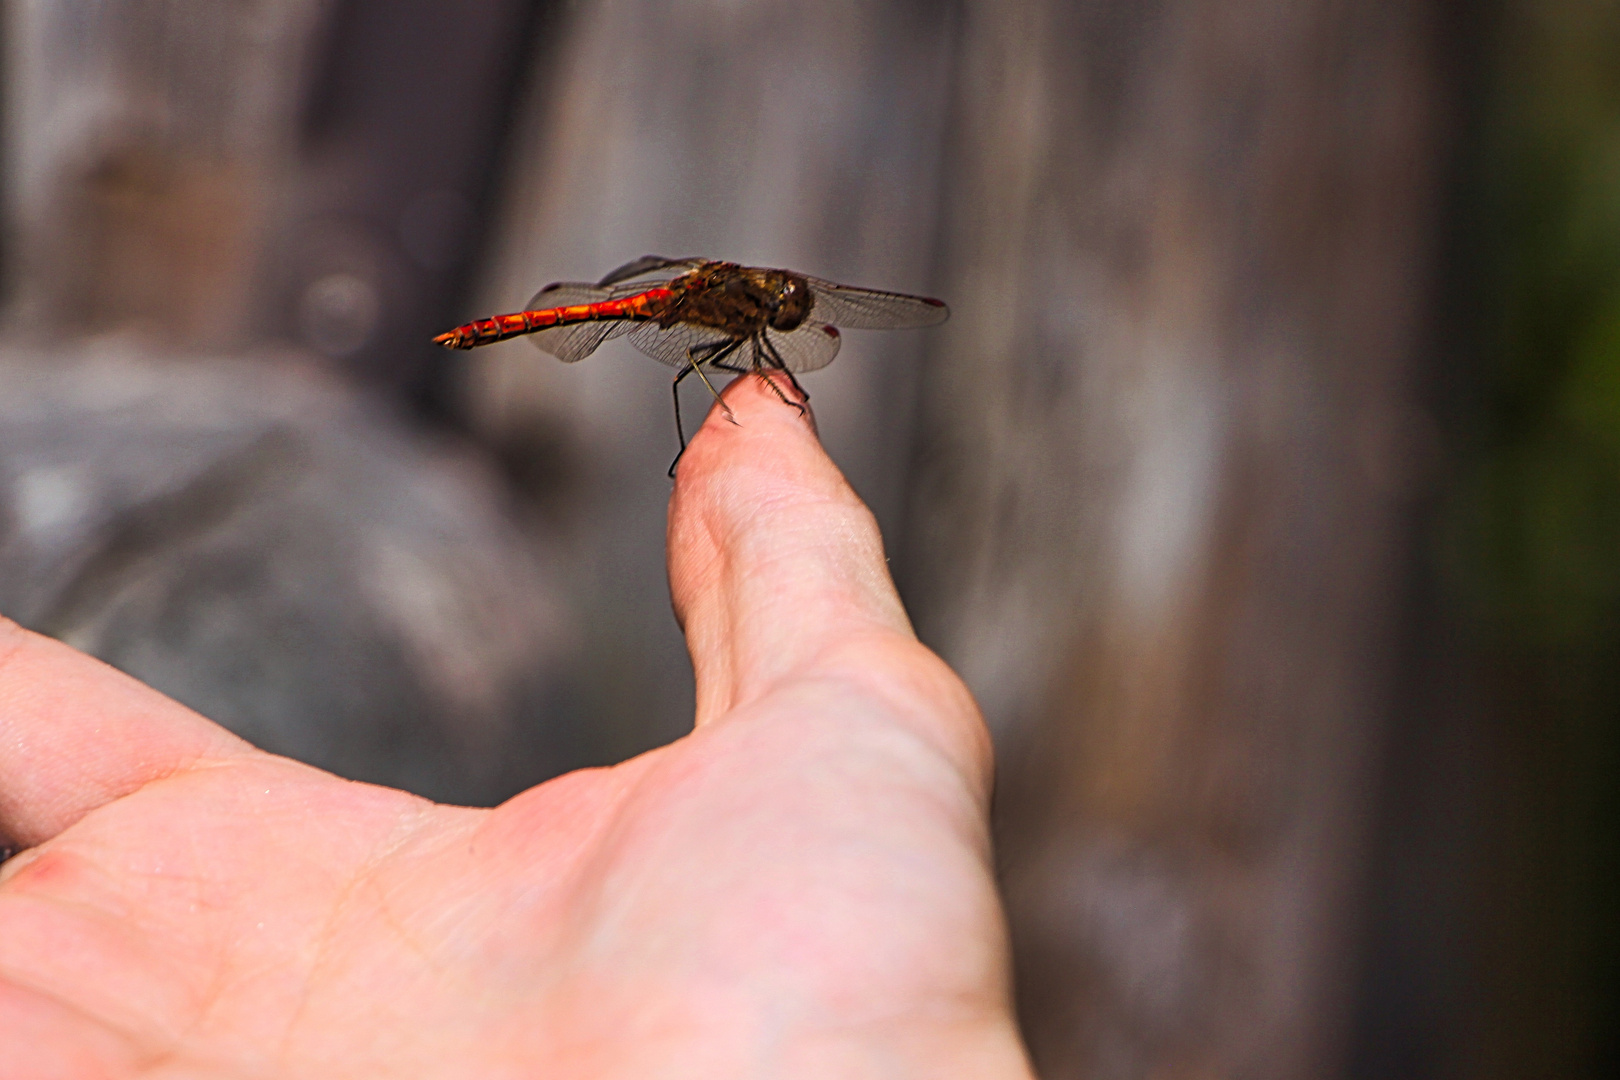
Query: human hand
x,y
801,887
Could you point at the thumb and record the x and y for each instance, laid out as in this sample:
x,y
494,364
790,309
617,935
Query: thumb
x,y
773,559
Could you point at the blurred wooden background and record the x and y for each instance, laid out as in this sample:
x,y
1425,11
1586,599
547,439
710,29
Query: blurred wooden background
x,y
1158,489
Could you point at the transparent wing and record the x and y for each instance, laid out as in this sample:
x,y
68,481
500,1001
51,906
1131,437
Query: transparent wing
x,y
669,346
564,293
646,265
571,344
811,347
873,309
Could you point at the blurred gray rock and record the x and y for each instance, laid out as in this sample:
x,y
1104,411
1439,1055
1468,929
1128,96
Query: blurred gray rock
x,y
275,551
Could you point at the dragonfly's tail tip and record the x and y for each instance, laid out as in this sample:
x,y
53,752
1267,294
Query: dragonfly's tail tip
x,y
451,340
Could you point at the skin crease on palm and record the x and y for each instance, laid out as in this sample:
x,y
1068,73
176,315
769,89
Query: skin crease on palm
x,y
801,887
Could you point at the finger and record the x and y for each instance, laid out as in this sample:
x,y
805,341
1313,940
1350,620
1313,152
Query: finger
x,y
76,734
777,568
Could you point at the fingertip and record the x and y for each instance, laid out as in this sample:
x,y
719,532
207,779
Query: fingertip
x,y
754,411
758,450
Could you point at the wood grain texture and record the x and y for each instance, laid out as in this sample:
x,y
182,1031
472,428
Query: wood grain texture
x,y
1157,511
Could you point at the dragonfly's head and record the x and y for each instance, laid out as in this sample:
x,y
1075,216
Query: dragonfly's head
x,y
790,301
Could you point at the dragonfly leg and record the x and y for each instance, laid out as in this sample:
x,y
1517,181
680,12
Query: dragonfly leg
x,y
680,433
804,394
717,398
765,351
718,352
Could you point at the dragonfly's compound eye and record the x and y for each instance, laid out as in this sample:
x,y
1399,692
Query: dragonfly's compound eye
x,y
790,305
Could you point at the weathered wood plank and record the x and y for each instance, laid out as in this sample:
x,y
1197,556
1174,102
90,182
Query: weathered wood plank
x,y
1157,512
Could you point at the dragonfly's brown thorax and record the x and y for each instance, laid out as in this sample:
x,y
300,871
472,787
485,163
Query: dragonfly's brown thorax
x,y
739,300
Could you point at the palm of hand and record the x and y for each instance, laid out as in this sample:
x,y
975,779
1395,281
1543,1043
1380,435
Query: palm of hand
x,y
798,888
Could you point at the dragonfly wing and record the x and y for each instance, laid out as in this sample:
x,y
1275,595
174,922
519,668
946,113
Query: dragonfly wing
x,y
564,293
670,346
811,347
873,309
571,344
645,265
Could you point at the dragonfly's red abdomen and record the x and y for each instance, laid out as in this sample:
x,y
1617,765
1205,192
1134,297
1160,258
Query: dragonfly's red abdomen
x,y
646,305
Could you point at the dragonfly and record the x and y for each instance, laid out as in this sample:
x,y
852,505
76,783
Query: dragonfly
x,y
696,314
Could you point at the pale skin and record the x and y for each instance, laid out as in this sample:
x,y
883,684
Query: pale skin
x,y
801,887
